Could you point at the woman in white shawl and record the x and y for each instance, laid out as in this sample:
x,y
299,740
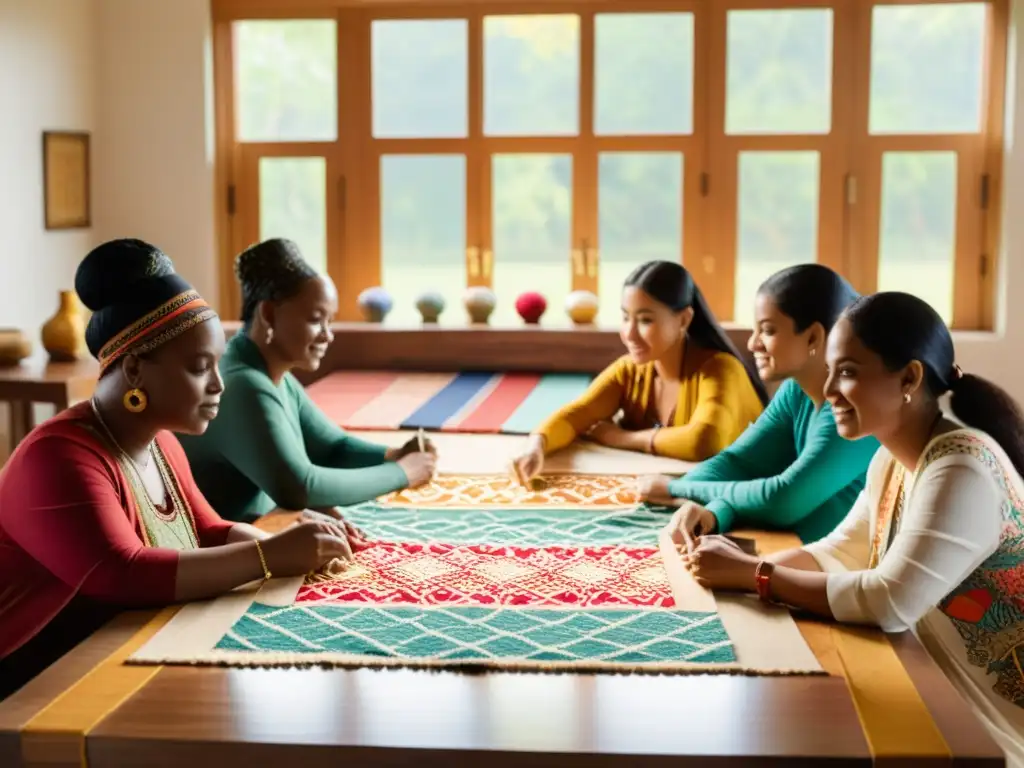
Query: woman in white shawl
x,y
935,542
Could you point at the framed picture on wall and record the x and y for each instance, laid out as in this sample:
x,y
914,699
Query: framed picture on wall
x,y
66,203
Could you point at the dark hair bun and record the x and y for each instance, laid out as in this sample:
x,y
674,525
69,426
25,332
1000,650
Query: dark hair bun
x,y
110,273
269,259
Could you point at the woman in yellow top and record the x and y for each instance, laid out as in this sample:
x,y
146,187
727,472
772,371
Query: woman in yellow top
x,y
683,389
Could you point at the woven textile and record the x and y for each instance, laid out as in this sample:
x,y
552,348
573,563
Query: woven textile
x,y
440,574
514,527
555,491
474,635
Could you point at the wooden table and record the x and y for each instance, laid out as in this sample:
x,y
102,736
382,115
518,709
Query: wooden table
x,y
39,381
282,717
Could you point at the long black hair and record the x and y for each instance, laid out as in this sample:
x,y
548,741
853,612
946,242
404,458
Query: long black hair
x,y
809,294
671,284
900,328
273,270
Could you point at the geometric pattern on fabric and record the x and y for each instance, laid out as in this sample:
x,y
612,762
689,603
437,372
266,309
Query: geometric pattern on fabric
x,y
639,526
445,574
553,491
468,634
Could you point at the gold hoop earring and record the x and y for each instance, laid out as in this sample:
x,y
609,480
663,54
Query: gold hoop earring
x,y
270,336
135,400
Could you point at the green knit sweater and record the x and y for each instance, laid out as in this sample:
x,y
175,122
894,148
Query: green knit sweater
x,y
789,470
272,447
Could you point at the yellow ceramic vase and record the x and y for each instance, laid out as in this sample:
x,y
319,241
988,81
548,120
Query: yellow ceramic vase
x,y
64,333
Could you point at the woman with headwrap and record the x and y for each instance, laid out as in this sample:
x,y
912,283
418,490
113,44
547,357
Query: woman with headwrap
x,y
98,508
271,446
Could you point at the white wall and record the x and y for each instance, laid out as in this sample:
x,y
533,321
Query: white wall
x,y
154,161
47,82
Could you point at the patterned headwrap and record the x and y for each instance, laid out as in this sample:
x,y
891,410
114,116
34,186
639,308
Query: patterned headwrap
x,y
270,271
138,301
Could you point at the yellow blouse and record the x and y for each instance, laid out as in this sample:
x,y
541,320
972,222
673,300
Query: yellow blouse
x,y
717,401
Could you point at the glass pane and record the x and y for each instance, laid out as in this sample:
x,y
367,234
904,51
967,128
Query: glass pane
x,y
779,72
643,80
777,219
917,238
926,68
532,231
293,204
531,75
640,218
420,78
286,83
423,233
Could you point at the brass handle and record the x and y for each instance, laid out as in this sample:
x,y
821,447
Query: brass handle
x,y
473,261
488,263
592,262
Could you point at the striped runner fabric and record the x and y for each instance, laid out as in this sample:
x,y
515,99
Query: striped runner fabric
x,y
471,402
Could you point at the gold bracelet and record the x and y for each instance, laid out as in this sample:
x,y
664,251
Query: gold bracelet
x,y
263,561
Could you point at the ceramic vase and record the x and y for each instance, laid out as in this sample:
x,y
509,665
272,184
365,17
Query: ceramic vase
x,y
430,305
14,346
63,334
581,306
531,307
374,304
479,302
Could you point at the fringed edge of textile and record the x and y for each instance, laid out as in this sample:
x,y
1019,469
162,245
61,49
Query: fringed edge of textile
x,y
340,661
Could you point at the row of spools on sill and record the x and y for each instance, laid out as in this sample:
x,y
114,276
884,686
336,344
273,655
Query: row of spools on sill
x,y
581,306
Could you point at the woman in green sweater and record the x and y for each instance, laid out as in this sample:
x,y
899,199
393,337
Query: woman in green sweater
x,y
270,445
790,470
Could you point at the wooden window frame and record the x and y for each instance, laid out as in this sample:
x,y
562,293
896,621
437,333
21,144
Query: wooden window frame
x,y
848,225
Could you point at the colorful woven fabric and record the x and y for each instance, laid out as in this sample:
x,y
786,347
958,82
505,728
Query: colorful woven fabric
x,y
509,638
440,574
555,491
510,526
511,403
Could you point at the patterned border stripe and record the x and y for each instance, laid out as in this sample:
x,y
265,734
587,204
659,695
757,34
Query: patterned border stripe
x,y
554,491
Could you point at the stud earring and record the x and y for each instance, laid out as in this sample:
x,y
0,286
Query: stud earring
x,y
135,400
814,352
906,397
270,336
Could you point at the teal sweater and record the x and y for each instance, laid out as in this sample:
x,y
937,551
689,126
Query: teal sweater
x,y
272,447
790,470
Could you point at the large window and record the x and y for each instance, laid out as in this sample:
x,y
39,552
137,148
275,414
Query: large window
x,y
554,148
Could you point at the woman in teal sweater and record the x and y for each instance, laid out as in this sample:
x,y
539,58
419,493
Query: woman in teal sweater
x,y
790,470
270,445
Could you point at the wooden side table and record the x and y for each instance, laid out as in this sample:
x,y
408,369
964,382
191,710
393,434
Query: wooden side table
x,y
37,380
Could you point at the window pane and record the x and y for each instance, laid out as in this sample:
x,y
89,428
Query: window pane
x,y
777,219
643,81
640,218
532,208
926,68
917,239
293,204
423,233
286,80
420,78
779,72
531,75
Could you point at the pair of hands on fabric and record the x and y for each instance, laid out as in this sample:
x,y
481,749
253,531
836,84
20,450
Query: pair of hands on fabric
x,y
418,465
319,537
716,562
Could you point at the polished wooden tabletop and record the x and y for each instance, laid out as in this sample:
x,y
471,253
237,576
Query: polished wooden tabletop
x,y
207,716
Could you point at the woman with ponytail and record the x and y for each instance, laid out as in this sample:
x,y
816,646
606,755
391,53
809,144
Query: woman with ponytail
x,y
935,541
683,388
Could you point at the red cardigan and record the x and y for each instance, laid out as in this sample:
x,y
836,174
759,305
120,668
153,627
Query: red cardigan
x,y
69,525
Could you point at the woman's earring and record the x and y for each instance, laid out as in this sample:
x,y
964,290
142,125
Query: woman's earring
x,y
906,397
814,352
135,400
270,336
